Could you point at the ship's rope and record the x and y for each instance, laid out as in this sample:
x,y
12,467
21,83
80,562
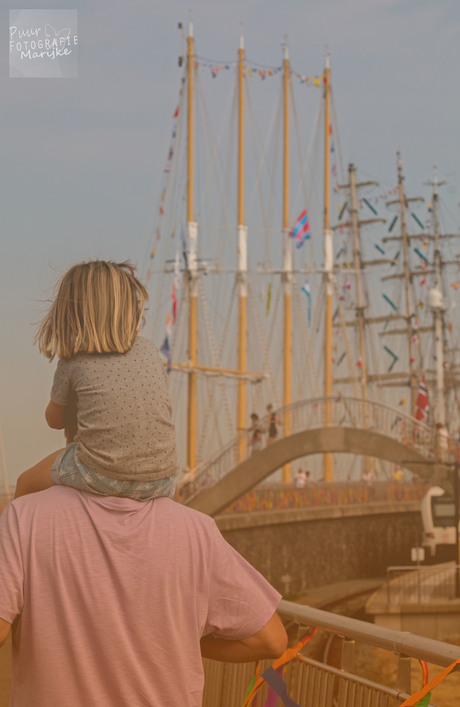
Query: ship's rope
x,y
263,167
306,364
155,216
260,341
343,328
215,177
211,341
300,146
335,124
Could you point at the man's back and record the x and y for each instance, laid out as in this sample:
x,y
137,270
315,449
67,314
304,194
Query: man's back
x,y
113,597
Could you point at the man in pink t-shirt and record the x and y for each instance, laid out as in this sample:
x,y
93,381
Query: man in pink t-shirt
x,y
111,599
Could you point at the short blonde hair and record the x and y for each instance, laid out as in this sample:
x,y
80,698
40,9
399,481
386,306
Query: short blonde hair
x,y
98,308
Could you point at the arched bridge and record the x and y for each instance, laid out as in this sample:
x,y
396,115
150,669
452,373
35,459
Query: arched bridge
x,y
342,424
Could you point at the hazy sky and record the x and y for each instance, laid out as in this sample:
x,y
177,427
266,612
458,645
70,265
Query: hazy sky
x,y
82,158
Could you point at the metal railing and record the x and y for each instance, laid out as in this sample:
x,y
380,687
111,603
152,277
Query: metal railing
x,y
417,584
323,412
314,683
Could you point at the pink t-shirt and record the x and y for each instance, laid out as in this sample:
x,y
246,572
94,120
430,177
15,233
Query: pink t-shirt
x,y
113,595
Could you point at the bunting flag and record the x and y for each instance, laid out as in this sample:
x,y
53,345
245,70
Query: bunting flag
x,y
177,280
301,229
392,224
343,251
166,173
420,254
392,304
252,70
421,400
173,304
269,299
394,357
336,186
416,218
307,290
166,350
342,210
368,204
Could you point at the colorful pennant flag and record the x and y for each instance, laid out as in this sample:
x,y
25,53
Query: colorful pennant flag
x,y
301,229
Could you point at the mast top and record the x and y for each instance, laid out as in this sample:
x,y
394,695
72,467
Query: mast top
x,y
241,41
327,59
190,25
285,48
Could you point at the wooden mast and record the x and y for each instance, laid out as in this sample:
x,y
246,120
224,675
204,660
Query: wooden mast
x,y
328,265
242,259
287,264
192,236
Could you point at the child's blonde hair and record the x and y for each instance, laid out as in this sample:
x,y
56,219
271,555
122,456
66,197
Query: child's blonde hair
x,y
98,308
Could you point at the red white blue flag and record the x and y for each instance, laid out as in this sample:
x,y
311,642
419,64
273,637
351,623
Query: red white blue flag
x,y
421,400
301,229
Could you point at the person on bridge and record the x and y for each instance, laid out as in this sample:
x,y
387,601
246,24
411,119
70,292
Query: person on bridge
x,y
255,429
300,479
273,422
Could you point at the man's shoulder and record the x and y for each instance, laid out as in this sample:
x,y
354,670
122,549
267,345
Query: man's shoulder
x,y
58,498
182,513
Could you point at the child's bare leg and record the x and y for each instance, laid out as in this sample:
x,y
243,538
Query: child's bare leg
x,y
38,477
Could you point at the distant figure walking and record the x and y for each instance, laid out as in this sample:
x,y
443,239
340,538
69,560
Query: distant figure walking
x,y
367,477
273,422
300,479
256,433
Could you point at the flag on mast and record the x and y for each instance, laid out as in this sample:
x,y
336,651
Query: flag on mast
x,y
301,229
421,400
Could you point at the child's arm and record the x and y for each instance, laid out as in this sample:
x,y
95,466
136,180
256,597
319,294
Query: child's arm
x,y
54,415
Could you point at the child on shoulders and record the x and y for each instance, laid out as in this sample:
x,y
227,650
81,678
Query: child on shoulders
x,y
110,390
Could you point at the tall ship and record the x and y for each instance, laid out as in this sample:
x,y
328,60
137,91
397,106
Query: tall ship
x,y
278,275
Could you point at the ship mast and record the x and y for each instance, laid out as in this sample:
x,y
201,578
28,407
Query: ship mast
x,y
409,330
328,266
407,283
287,263
358,272
192,237
358,265
435,300
242,258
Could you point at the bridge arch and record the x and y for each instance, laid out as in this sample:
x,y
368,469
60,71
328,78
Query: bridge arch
x,y
368,430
